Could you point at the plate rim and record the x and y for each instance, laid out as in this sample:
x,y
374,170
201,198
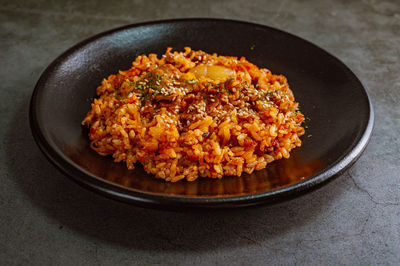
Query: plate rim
x,y
163,201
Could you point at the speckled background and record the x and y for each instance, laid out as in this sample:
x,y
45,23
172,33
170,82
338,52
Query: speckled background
x,y
46,219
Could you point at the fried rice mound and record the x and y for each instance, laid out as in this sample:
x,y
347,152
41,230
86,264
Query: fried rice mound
x,y
190,114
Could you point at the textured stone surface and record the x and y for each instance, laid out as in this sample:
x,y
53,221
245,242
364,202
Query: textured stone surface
x,y
47,219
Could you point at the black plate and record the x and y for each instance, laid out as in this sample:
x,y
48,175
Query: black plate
x,y
330,95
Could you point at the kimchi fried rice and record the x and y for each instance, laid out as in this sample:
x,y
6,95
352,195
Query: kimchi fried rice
x,y
190,114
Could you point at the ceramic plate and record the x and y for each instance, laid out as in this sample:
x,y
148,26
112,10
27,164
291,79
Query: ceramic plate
x,y
338,110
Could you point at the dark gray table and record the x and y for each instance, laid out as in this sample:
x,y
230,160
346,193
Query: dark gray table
x,y
46,219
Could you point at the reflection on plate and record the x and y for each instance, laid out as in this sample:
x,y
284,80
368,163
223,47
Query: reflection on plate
x,y
339,112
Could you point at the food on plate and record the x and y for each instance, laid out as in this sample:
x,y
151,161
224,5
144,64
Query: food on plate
x,y
192,114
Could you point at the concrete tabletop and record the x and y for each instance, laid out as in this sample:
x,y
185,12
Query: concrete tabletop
x,y
46,219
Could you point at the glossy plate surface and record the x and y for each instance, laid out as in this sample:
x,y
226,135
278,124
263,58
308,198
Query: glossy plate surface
x,y
339,112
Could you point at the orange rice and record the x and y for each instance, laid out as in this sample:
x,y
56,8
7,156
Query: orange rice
x,y
190,114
